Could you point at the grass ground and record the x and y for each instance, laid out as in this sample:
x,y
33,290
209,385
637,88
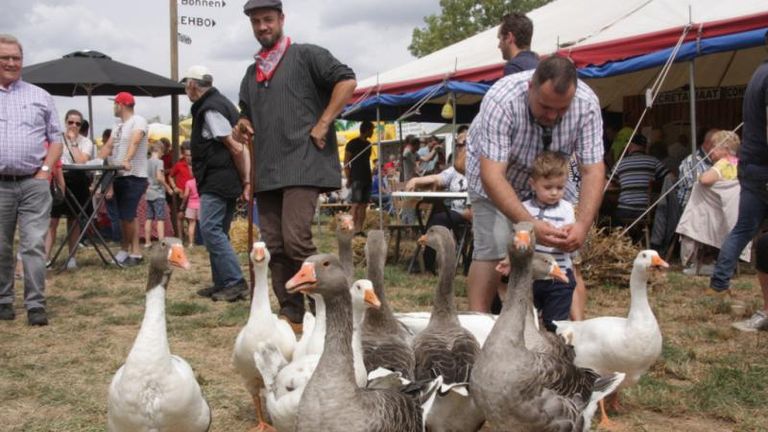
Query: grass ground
x,y
710,377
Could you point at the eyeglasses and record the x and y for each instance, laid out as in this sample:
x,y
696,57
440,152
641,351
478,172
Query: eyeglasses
x,y
8,59
76,123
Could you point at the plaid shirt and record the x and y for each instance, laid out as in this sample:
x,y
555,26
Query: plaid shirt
x,y
28,120
505,131
689,174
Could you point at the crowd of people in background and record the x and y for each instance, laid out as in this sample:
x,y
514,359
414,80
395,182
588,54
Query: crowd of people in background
x,y
538,151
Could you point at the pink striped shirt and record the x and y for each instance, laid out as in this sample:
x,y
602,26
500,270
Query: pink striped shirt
x,y
28,119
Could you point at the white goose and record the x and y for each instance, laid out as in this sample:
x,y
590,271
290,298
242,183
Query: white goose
x,y
262,326
155,390
285,382
613,344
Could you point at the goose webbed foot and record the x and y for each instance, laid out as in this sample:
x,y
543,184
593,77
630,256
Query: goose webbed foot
x,y
614,405
262,426
605,422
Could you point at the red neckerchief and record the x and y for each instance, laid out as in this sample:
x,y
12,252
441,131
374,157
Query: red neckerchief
x,y
268,60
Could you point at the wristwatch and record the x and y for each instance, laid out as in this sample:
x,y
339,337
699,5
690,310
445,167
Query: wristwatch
x,y
45,168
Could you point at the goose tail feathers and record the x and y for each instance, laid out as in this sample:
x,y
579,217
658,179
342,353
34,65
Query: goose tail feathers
x,y
268,361
604,386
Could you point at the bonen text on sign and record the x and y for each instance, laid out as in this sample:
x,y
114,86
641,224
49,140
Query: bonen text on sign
x,y
204,3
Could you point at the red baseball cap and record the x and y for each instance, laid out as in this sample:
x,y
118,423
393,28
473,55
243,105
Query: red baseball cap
x,y
124,98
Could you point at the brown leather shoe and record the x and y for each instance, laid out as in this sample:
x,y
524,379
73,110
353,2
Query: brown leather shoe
x,y
298,328
724,295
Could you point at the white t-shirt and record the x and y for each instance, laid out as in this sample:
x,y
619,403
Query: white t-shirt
x,y
455,182
216,126
84,144
121,137
558,215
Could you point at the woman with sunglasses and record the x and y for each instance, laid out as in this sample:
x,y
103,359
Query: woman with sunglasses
x,y
77,150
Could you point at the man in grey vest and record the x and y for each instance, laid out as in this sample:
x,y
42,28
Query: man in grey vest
x,y
289,99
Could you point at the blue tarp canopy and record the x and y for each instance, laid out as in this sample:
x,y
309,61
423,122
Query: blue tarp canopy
x,y
392,106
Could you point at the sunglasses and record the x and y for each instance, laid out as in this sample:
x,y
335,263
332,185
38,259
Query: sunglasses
x,y
76,123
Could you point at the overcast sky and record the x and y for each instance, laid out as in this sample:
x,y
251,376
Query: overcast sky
x,y
370,36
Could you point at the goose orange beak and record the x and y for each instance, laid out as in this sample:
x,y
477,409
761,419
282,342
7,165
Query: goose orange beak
x,y
304,281
422,240
557,273
178,258
656,261
522,240
257,253
371,299
346,223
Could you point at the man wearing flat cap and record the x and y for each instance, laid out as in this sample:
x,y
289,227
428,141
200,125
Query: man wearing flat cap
x,y
289,98
221,166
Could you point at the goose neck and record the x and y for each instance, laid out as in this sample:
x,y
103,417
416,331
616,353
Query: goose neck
x,y
152,341
375,274
638,286
260,299
444,305
346,257
519,297
337,359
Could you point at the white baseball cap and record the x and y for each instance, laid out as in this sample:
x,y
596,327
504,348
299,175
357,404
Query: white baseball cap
x,y
198,72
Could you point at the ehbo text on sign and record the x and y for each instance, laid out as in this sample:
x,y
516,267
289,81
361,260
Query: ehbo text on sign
x,y
197,21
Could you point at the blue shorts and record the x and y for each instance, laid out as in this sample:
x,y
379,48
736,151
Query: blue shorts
x,y
553,298
128,191
156,209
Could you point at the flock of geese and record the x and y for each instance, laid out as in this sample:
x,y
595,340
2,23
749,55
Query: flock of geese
x,y
359,366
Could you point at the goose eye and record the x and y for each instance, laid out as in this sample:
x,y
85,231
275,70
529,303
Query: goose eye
x,y
326,263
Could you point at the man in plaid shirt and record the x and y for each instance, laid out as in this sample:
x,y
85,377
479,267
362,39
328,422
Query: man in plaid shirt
x,y
521,116
30,146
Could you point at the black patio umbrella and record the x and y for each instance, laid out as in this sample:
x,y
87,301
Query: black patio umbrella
x,y
89,73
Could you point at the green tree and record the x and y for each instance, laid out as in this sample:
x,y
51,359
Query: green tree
x,y
460,19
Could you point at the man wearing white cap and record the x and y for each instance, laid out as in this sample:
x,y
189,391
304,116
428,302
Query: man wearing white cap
x,y
127,146
221,167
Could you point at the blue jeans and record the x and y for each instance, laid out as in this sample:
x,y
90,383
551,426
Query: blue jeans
x,y
553,298
752,211
215,217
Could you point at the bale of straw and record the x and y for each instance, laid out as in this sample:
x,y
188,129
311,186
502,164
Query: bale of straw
x,y
607,258
238,235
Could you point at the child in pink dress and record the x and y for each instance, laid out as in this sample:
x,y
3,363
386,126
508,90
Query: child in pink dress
x,y
192,200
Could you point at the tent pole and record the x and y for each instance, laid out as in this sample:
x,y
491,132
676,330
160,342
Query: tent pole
x,y
692,84
90,113
453,132
692,104
378,163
